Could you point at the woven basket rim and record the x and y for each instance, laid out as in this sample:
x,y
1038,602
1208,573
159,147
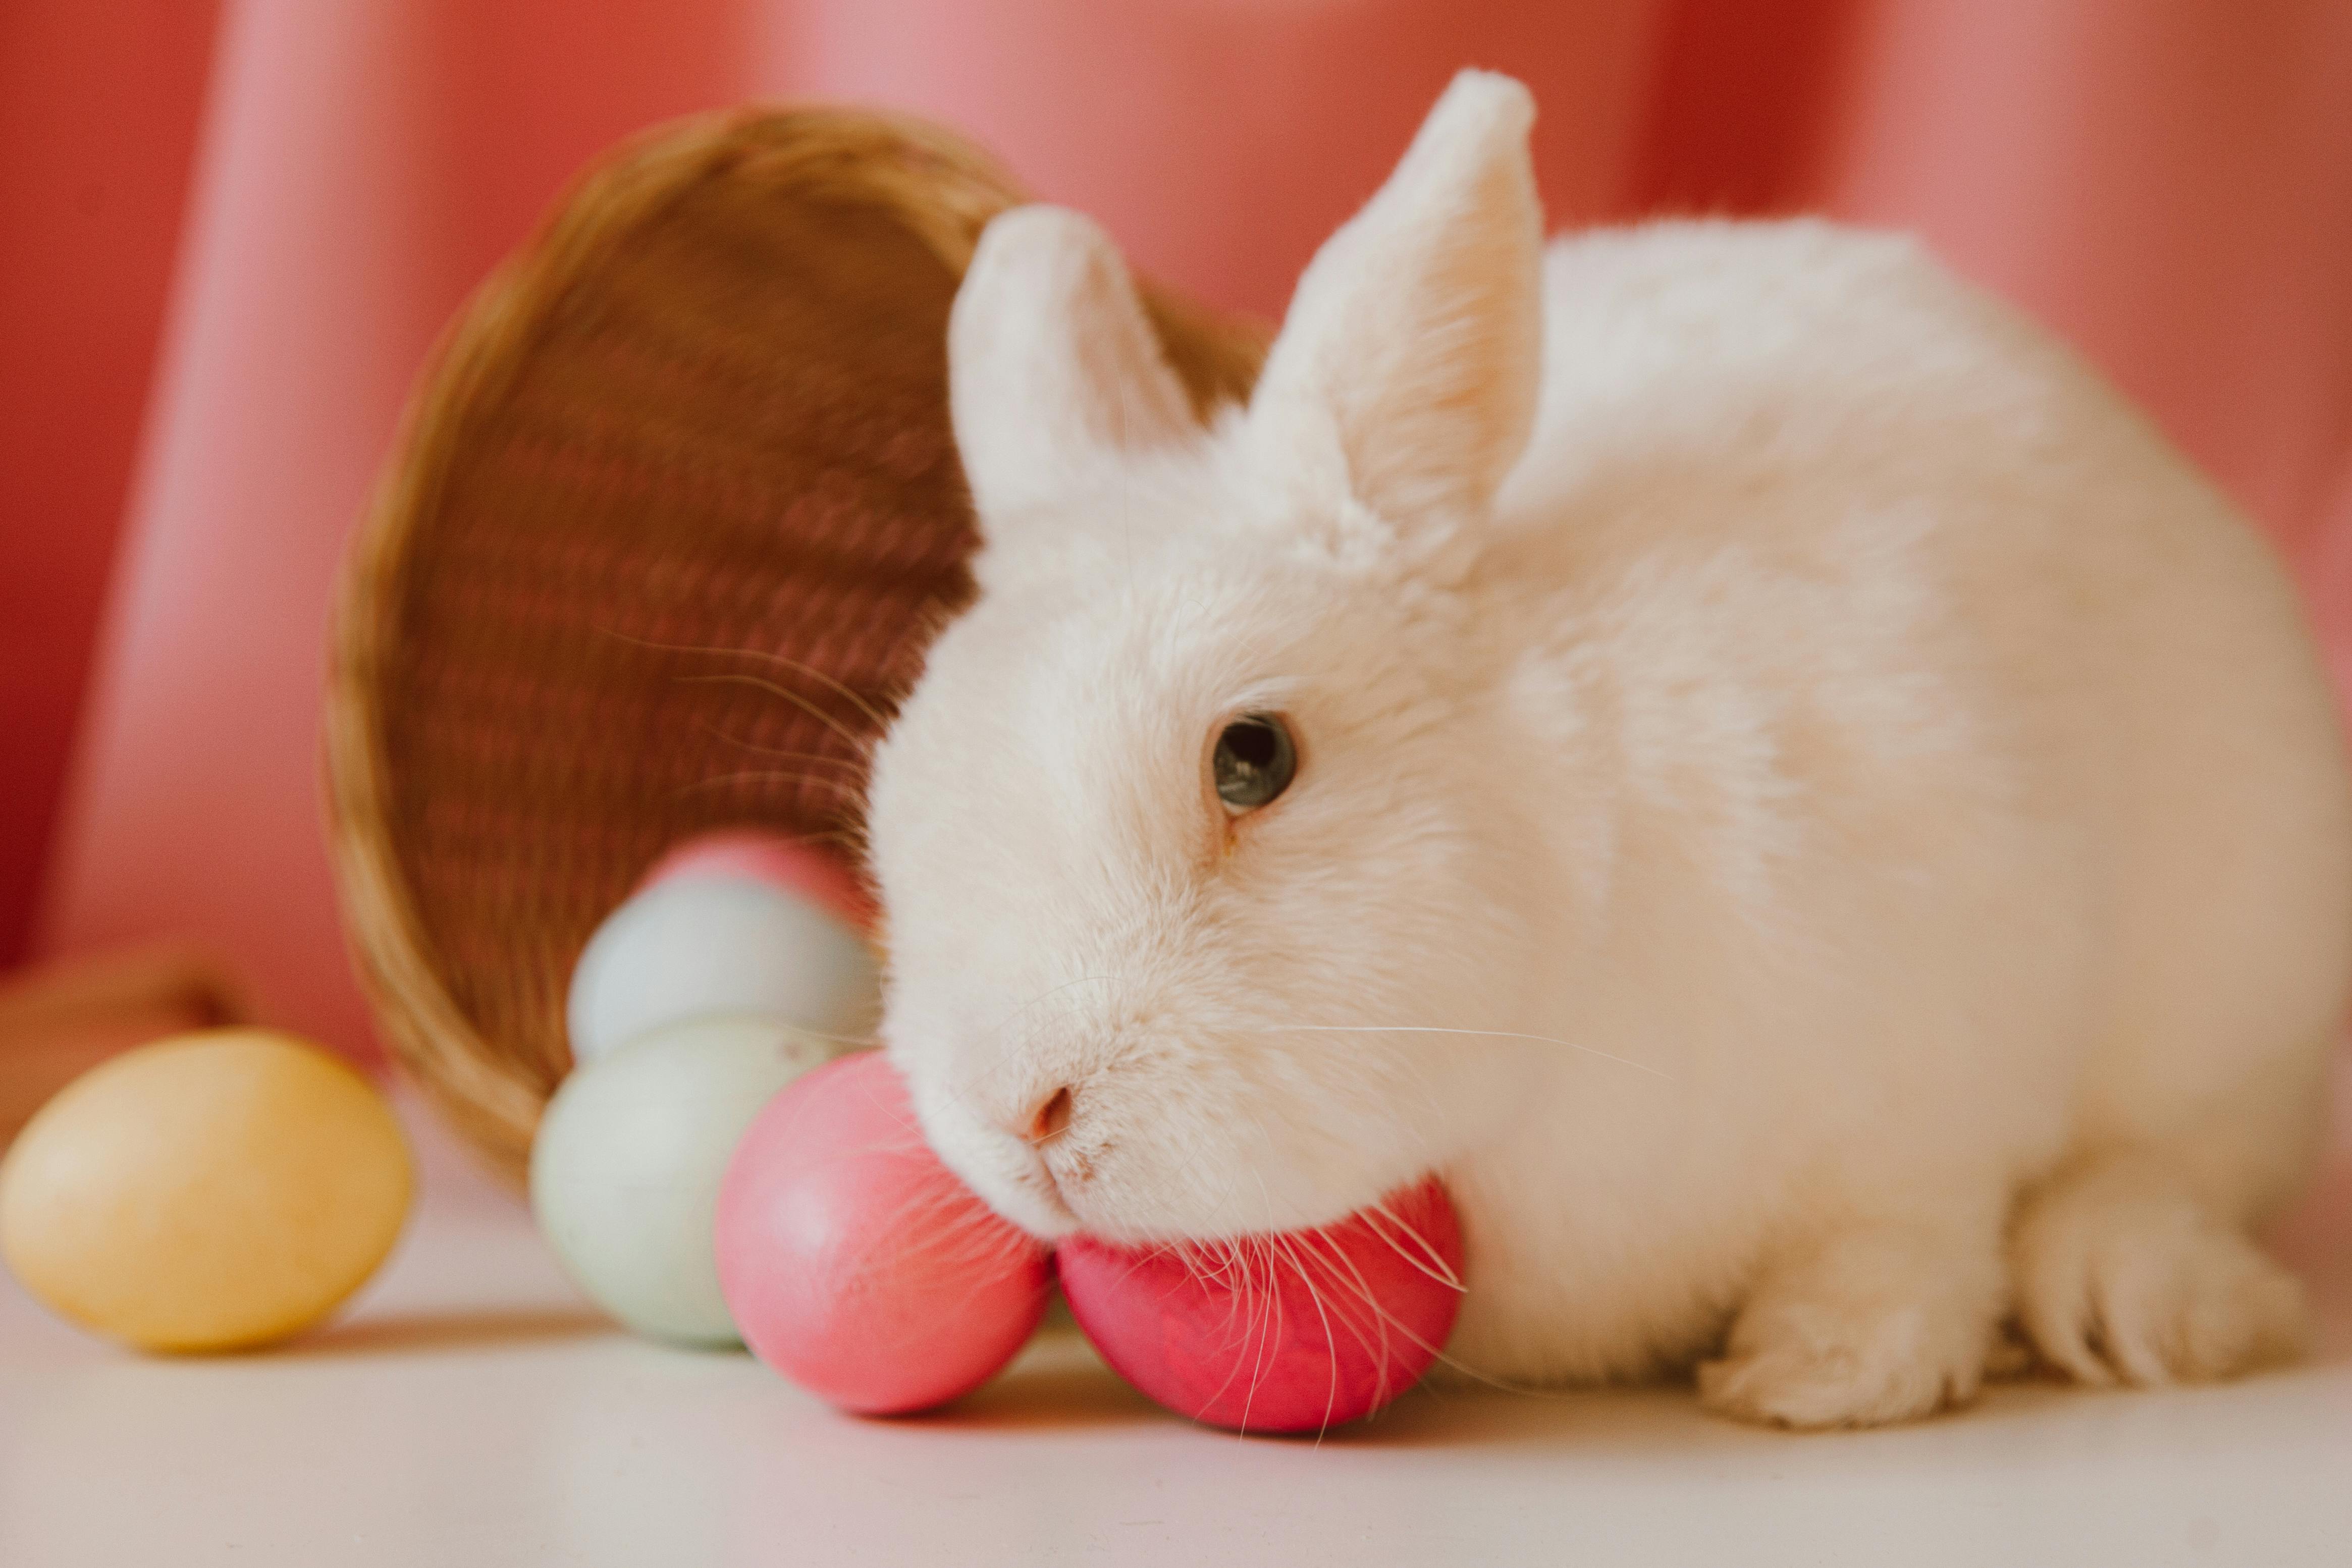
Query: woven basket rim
x,y
942,189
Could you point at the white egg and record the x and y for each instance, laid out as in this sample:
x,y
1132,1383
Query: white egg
x,y
626,1169
711,946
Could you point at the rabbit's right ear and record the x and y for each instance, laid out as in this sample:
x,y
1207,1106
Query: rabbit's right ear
x,y
1053,366
1404,381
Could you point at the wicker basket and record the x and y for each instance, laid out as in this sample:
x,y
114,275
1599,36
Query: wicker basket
x,y
675,513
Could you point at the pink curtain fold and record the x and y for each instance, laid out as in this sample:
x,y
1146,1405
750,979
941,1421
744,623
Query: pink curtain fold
x,y
2168,186
98,103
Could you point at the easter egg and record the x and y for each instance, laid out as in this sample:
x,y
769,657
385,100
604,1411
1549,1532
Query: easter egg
x,y
712,947
1292,1333
859,1266
625,1167
748,852
213,1191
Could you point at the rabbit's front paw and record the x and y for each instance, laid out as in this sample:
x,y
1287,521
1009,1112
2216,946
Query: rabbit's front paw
x,y
1883,1324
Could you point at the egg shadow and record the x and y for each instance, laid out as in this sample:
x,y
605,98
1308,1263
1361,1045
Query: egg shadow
x,y
1057,1383
405,1333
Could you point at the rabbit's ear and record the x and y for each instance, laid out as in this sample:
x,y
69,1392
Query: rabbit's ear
x,y
1408,367
1052,364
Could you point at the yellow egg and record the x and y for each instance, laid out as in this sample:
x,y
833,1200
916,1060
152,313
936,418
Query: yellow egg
x,y
209,1192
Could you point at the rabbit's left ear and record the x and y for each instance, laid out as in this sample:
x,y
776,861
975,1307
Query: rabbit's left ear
x,y
1407,369
1052,364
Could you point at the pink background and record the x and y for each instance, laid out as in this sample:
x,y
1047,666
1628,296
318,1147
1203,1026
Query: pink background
x,y
231,236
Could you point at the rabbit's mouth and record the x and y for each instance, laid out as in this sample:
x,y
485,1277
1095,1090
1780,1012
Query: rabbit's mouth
x,y
1069,1167
1017,1180
1047,1176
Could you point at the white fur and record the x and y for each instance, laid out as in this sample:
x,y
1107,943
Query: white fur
x,y
1898,795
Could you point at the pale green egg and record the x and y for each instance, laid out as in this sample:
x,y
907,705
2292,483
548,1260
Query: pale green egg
x,y
626,1169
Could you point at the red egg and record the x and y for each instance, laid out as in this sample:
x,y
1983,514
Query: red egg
x,y
856,1264
748,852
1292,1333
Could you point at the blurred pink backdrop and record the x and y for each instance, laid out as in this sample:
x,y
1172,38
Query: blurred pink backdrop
x,y
232,235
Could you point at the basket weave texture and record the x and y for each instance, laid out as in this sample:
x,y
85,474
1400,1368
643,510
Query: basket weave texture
x,y
673,515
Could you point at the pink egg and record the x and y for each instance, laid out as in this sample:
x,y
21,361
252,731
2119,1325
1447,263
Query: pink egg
x,y
1294,1332
855,1263
820,877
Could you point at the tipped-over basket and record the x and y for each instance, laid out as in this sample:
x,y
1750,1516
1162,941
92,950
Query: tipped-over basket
x,y
676,510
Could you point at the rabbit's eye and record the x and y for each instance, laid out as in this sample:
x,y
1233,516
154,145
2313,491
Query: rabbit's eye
x,y
1253,762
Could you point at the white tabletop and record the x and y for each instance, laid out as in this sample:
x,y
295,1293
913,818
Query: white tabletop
x,y
470,1409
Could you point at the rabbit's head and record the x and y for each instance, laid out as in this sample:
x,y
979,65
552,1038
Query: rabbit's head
x,y
1199,839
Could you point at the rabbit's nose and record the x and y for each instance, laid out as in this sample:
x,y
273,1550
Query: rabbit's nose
x,y
1051,1117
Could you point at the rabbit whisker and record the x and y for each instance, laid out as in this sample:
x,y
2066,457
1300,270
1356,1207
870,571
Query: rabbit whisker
x,y
811,670
794,697
772,776
778,752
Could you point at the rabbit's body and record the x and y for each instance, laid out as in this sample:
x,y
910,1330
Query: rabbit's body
x,y
1809,814
1940,780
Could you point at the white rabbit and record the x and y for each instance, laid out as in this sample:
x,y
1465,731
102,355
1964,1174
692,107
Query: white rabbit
x,y
1815,819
